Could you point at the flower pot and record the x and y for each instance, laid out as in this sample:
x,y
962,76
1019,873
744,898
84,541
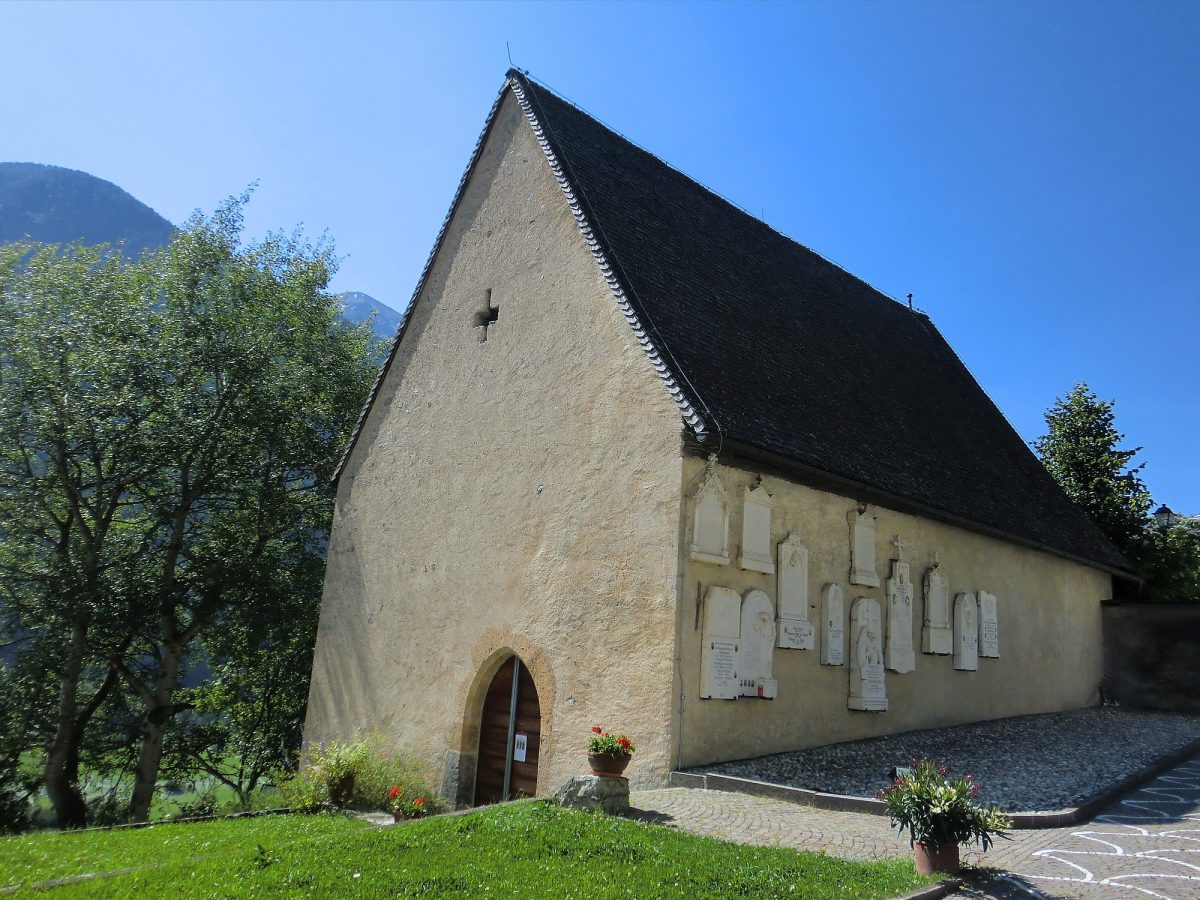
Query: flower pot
x,y
608,764
397,816
341,791
944,860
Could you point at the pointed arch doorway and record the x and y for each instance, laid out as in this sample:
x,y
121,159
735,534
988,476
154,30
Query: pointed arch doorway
x,y
509,736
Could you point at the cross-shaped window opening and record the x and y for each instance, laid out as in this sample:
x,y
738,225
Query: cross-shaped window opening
x,y
486,316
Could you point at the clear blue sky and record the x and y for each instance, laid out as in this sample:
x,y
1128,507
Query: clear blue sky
x,y
1029,171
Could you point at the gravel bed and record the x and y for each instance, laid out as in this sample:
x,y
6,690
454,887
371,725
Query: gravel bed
x,y
1042,763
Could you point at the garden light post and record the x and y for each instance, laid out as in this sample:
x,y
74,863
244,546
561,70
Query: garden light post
x,y
1165,516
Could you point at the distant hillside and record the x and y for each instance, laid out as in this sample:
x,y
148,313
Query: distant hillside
x,y
55,206
357,306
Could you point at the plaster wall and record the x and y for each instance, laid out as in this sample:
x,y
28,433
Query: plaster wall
x,y
1049,626
514,495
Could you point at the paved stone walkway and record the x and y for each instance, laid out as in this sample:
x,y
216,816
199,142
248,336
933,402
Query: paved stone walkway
x,y
1145,845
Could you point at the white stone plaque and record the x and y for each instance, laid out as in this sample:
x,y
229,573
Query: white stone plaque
x,y
710,523
756,531
989,627
966,632
867,689
899,656
937,635
862,548
719,652
795,632
833,643
758,646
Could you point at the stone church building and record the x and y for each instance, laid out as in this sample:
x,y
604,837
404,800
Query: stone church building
x,y
638,460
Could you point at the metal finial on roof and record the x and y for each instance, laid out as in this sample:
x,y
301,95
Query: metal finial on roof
x,y
910,301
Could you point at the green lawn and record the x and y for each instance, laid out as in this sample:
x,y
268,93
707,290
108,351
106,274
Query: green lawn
x,y
531,849
44,855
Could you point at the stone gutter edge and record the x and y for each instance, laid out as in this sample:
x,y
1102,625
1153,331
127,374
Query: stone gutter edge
x,y
845,803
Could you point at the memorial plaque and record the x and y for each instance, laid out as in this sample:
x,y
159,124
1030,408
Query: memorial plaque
x,y
862,548
722,669
710,523
989,627
719,652
796,634
832,614
966,633
937,636
757,646
794,629
867,686
756,531
900,656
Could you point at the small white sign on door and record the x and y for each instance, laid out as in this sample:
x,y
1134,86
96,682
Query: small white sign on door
x,y
520,746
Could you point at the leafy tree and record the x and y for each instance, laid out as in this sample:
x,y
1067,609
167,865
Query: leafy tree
x,y
169,429
75,400
246,720
266,386
1170,562
1080,449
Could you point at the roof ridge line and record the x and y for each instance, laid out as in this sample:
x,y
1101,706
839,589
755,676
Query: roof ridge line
x,y
700,184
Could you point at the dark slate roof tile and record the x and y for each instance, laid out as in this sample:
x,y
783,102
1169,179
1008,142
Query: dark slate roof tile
x,y
782,350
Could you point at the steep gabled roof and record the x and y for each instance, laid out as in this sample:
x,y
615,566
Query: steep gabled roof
x,y
766,345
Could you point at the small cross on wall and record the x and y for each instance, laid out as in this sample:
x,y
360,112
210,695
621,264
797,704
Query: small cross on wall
x,y
899,545
487,315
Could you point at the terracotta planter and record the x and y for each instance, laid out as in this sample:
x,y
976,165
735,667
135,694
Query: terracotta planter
x,y
929,862
341,792
606,764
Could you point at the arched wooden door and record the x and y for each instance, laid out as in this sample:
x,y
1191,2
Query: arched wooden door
x,y
509,736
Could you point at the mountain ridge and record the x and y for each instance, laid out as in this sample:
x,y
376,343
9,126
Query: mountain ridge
x,y
56,205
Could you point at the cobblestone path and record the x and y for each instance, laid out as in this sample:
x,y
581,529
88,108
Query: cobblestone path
x,y
1145,845
743,819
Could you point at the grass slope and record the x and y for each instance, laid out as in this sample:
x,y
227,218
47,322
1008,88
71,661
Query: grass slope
x,y
531,849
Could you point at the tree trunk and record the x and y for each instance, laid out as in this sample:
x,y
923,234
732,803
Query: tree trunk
x,y
62,762
146,775
159,710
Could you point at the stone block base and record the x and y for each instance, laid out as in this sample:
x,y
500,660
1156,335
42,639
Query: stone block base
x,y
592,792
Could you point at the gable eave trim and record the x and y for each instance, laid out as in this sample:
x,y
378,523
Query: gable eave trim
x,y
513,82
691,416
406,317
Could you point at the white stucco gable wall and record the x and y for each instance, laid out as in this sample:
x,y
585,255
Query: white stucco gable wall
x,y
520,493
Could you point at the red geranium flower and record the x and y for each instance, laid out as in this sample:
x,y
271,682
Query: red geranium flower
x,y
420,801
394,792
596,729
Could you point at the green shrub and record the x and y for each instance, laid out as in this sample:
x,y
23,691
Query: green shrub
x,y
205,804
14,812
380,769
301,793
260,798
376,770
938,810
110,808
